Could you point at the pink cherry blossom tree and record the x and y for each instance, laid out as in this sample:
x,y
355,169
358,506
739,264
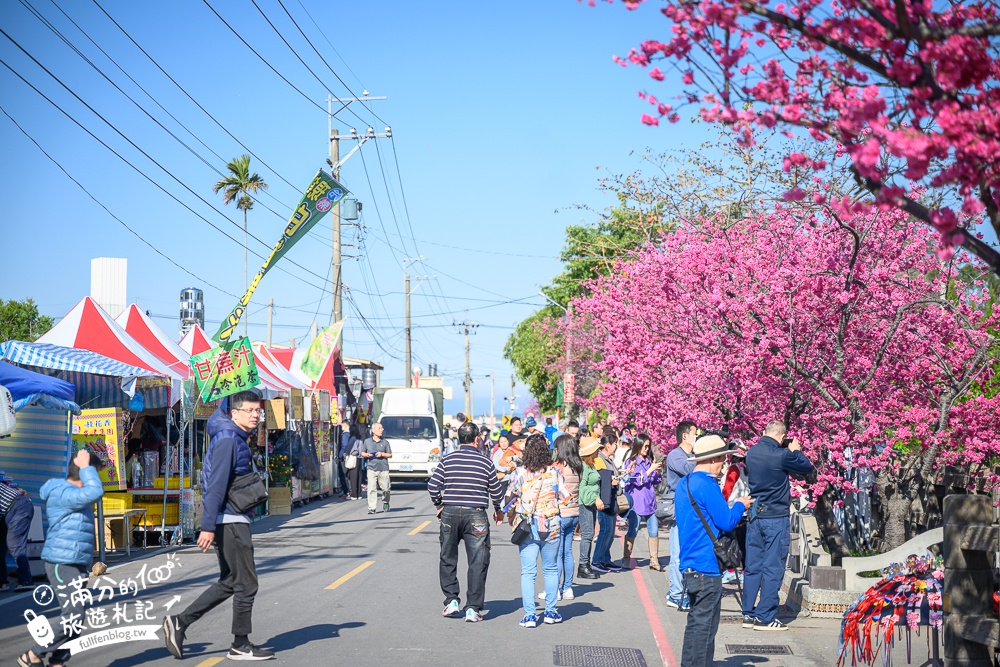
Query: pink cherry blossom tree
x,y
849,329
908,90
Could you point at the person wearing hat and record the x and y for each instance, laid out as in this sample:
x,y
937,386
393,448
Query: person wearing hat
x,y
590,490
698,563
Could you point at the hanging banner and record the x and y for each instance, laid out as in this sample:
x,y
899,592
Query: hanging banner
x,y
100,432
320,350
322,195
225,370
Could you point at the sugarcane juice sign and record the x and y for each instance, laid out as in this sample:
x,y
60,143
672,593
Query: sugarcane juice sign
x,y
225,370
100,431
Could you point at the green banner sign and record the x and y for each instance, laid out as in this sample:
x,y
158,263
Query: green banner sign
x,y
320,350
225,370
322,195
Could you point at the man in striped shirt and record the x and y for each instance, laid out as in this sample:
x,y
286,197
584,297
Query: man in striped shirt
x,y
461,488
16,512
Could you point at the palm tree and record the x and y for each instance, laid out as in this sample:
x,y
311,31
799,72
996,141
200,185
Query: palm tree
x,y
238,186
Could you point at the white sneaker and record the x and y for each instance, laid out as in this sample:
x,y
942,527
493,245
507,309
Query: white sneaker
x,y
566,594
541,596
452,609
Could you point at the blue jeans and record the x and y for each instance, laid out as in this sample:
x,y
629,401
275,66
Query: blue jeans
x,y
766,554
674,569
652,524
529,550
567,526
602,549
14,539
588,516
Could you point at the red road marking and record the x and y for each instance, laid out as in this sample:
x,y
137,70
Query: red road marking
x,y
659,634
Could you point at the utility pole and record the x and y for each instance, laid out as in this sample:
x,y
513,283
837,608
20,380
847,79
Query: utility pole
x,y
270,319
406,291
467,384
335,164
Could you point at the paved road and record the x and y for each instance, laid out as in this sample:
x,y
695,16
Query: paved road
x,y
338,586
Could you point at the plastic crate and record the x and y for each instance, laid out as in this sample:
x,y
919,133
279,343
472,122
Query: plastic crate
x,y
116,503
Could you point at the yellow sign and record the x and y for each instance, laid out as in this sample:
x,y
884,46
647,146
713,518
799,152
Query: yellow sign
x,y
100,431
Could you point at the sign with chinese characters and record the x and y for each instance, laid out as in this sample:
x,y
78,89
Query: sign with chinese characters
x,y
322,195
100,431
320,351
225,370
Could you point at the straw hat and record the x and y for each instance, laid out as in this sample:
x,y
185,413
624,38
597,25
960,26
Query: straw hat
x,y
708,447
589,445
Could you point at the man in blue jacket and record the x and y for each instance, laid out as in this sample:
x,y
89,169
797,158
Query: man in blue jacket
x,y
768,532
228,457
69,546
698,564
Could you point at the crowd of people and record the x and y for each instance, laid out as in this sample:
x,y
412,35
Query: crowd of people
x,y
558,486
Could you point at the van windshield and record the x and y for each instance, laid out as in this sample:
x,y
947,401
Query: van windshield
x,y
408,427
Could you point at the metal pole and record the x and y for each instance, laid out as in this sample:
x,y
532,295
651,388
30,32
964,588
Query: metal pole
x,y
409,359
468,378
270,319
166,479
569,399
493,405
338,313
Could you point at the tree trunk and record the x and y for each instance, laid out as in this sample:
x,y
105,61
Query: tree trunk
x,y
833,538
896,496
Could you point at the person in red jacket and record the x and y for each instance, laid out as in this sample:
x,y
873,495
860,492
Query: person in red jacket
x,y
735,485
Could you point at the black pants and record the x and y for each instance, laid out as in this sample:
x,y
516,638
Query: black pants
x,y
472,527
237,579
705,593
14,529
342,475
354,475
60,575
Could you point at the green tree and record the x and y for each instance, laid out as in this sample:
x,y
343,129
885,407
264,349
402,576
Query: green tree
x,y
20,320
238,186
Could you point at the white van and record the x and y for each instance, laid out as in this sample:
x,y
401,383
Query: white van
x,y
412,429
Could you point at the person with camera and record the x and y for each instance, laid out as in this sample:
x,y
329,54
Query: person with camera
x,y
698,500
769,464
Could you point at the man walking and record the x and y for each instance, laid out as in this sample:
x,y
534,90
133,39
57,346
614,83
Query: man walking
x,y
16,512
69,547
768,532
702,575
342,451
377,451
461,487
678,466
228,457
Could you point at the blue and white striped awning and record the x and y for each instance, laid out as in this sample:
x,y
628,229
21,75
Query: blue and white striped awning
x,y
57,357
99,380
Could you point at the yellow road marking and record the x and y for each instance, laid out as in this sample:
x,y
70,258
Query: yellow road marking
x,y
419,528
209,662
350,574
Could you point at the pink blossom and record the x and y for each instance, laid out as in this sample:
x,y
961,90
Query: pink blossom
x,y
650,120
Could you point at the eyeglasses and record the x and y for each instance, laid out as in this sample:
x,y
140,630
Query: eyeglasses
x,y
259,411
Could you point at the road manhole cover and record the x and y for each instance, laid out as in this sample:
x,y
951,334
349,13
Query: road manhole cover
x,y
758,649
567,655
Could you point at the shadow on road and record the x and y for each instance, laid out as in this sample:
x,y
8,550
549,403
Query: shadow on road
x,y
160,651
742,660
292,640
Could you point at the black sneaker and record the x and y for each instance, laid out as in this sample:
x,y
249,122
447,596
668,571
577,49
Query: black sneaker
x,y
773,626
748,622
249,652
371,511
613,566
173,636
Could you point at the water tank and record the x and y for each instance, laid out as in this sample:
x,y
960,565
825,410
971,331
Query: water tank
x,y
368,378
432,370
192,308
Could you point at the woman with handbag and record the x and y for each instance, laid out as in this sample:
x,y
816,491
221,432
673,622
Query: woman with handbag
x,y
642,476
537,492
607,505
590,492
354,458
703,519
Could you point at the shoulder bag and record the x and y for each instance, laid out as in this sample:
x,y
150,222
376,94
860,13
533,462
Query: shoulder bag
x,y
726,546
522,530
247,491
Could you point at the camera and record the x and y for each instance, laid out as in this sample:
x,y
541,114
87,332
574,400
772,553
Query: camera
x,y
787,440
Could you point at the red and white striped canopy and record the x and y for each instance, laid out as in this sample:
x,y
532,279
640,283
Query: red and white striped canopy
x,y
142,328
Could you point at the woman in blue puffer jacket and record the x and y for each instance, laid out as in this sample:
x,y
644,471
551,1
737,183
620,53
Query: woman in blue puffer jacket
x,y
69,546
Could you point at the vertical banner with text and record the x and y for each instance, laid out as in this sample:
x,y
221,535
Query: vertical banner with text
x,y
322,195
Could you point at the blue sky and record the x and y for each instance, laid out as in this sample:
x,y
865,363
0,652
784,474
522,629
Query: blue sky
x,y
501,115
